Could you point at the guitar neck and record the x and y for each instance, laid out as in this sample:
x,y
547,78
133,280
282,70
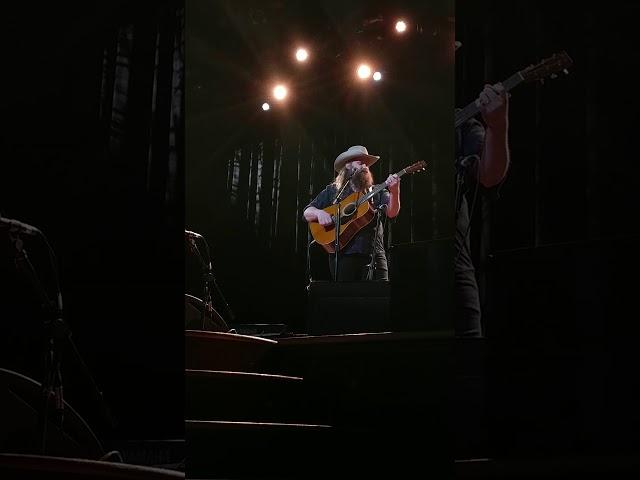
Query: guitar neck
x,y
472,109
376,189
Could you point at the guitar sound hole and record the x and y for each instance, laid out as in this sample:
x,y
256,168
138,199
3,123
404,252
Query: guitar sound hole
x,y
349,209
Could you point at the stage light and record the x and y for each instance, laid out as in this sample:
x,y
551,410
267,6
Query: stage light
x,y
280,92
265,106
401,26
302,54
364,71
377,76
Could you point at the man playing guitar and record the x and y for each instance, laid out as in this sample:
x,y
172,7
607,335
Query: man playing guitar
x,y
363,257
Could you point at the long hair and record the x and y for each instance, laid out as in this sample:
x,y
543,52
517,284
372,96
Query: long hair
x,y
340,178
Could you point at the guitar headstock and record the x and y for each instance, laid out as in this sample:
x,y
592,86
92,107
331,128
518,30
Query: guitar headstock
x,y
416,167
548,67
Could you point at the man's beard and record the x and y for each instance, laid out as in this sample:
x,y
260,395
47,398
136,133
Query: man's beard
x,y
362,180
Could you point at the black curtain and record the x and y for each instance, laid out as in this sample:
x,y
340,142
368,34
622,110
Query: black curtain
x,y
558,251
94,148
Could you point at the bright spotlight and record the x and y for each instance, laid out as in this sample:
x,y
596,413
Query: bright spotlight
x,y
401,26
280,92
364,71
377,76
302,54
265,106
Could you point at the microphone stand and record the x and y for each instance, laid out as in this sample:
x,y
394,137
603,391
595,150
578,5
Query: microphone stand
x,y
206,294
51,387
372,263
337,223
310,241
208,281
56,332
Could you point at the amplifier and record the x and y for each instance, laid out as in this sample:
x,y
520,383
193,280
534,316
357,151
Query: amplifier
x,y
347,307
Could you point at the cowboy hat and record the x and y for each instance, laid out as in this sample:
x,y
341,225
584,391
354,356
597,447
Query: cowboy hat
x,y
357,151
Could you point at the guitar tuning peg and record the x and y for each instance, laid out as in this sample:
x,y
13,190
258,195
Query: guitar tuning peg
x,y
553,76
565,71
542,81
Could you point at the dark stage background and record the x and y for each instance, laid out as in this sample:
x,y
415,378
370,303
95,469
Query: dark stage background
x,y
251,173
558,252
92,154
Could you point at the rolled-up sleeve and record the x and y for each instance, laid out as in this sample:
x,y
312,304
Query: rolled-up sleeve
x,y
322,200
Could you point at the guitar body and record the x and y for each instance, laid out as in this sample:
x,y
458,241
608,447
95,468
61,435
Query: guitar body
x,y
353,218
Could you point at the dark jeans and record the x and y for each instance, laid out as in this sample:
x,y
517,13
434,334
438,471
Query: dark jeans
x,y
353,268
467,316
467,320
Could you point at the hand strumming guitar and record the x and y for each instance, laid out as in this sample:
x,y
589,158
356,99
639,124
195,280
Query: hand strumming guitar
x,y
313,214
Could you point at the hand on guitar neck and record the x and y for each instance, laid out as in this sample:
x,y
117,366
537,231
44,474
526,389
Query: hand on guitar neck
x,y
393,183
549,67
493,102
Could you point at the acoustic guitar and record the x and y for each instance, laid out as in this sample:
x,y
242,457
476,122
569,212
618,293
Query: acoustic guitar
x,y
549,67
356,212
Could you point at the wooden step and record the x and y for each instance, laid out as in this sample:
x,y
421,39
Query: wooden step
x,y
212,426
593,466
392,377
271,450
241,396
241,449
225,351
54,468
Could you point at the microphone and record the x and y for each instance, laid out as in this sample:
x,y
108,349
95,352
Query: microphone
x,y
16,226
353,172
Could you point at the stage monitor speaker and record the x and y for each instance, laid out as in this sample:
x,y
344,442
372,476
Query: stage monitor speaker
x,y
421,275
347,307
